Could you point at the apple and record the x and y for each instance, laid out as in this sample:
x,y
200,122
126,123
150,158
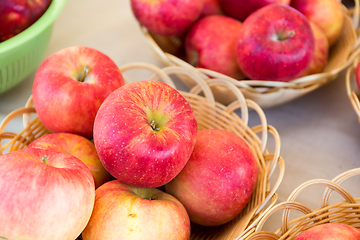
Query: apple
x,y
357,75
210,43
69,87
144,133
167,17
78,146
241,9
211,7
122,211
18,15
327,14
44,195
275,43
332,230
218,180
321,51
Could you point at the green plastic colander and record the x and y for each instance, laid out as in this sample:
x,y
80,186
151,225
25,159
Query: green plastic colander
x,y
21,54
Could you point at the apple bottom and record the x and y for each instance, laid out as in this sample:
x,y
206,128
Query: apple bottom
x,y
125,212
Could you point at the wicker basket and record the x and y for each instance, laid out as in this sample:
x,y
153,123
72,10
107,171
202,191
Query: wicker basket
x,y
352,88
267,93
345,210
210,114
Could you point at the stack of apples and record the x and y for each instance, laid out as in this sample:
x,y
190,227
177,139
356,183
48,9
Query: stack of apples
x,y
122,161
271,40
18,15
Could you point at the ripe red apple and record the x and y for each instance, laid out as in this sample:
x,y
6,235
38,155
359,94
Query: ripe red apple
x,y
218,180
126,212
321,51
327,14
44,195
18,15
210,43
78,146
275,43
167,17
357,75
69,87
241,9
338,231
144,133
211,7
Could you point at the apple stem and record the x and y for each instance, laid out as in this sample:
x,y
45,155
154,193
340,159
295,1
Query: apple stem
x,y
84,74
153,126
286,35
45,159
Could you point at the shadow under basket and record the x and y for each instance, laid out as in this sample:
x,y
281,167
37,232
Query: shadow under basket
x,y
170,51
210,114
346,210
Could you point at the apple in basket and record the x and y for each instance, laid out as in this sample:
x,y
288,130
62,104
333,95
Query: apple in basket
x,y
357,75
241,9
327,14
321,51
333,230
122,211
210,43
144,133
275,43
69,87
18,15
218,180
166,17
44,195
77,146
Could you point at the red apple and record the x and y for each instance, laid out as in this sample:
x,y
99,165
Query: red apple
x,y
241,9
18,15
44,195
211,7
69,87
126,212
357,75
167,17
210,43
144,133
275,43
326,231
327,14
77,146
321,51
218,180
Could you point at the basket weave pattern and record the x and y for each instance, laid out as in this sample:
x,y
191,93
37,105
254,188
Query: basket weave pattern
x,y
210,114
267,93
345,211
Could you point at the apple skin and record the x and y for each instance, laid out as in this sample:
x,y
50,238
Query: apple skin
x,y
167,17
275,43
338,231
126,212
241,9
210,43
218,180
211,7
78,146
321,51
18,15
62,101
52,200
129,148
327,14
